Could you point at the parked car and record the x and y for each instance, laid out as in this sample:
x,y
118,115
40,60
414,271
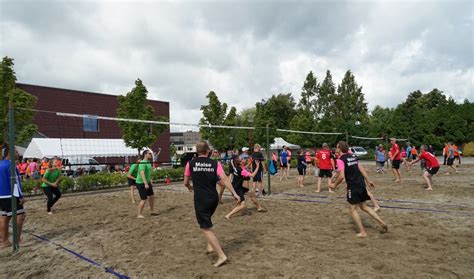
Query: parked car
x,y
358,151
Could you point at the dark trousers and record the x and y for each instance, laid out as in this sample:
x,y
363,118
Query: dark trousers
x,y
445,157
50,192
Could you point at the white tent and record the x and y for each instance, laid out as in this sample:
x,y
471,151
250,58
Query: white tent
x,y
50,147
279,142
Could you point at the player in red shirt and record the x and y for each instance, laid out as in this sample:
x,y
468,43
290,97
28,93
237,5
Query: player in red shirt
x,y
395,157
431,165
325,163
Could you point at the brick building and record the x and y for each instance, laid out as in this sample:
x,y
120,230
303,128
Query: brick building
x,y
51,125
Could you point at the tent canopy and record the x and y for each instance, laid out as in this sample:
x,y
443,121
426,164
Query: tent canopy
x,y
279,142
61,147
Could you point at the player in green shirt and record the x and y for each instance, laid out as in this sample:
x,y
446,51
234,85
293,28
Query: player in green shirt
x,y
143,182
50,184
132,177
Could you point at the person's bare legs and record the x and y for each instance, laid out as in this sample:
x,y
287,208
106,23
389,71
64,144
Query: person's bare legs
x,y
132,193
215,245
254,200
427,177
4,230
20,219
141,205
357,220
329,182
319,185
151,202
236,209
374,201
260,187
374,215
221,192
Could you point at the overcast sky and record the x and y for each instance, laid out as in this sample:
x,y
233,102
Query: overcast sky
x,y
245,51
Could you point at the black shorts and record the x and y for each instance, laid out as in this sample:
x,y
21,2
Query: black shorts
x,y
6,207
284,165
396,164
325,173
432,171
357,195
241,192
204,209
450,161
258,177
143,192
302,171
131,182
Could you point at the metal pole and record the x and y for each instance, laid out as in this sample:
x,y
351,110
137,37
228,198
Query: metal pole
x,y
347,138
269,160
11,139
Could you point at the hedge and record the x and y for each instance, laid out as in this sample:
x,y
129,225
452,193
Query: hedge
x,y
99,181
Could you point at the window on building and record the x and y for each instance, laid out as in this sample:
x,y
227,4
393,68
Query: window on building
x,y
90,123
180,148
190,149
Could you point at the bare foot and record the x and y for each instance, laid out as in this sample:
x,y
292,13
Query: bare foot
x,y
220,261
221,202
227,218
6,244
317,191
331,191
261,209
50,213
133,202
361,235
429,189
398,181
384,228
141,217
377,208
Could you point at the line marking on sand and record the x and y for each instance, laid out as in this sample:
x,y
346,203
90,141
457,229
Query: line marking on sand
x,y
94,263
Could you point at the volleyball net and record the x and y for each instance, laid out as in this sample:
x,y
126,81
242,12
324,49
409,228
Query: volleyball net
x,y
93,143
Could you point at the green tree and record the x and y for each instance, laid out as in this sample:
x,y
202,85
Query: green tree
x,y
134,106
20,99
215,113
349,112
304,119
277,112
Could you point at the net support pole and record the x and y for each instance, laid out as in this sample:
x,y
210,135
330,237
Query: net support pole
x,y
268,160
11,139
347,138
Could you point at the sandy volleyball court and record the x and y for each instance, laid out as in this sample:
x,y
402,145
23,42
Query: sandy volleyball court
x,y
303,234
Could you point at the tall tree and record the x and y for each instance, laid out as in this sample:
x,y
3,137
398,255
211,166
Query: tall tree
x,y
215,113
20,99
350,113
304,119
277,112
134,106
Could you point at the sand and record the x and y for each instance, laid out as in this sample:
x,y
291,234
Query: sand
x,y
303,234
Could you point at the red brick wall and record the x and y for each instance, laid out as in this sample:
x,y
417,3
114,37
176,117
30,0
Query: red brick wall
x,y
80,102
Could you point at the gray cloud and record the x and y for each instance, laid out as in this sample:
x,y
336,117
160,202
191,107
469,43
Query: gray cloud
x,y
245,51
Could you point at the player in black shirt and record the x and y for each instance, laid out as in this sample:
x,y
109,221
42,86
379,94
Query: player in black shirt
x,y
239,176
257,158
356,178
301,168
205,174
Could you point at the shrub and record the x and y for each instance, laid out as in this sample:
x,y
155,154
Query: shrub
x,y
66,183
30,185
468,149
